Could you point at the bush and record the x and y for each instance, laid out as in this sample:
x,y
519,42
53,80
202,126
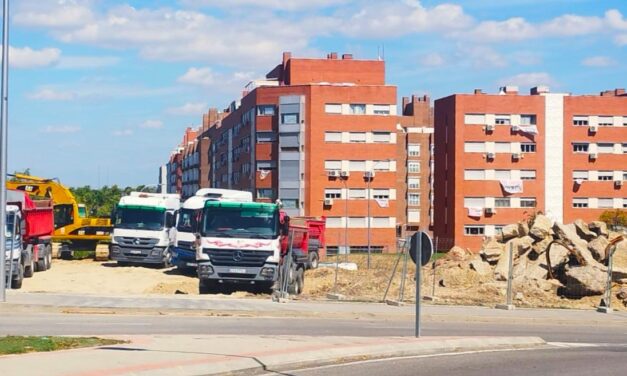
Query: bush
x,y
615,218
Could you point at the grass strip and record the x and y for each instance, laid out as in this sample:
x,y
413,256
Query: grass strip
x,y
20,344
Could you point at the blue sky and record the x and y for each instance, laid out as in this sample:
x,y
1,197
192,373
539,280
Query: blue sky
x,y
101,90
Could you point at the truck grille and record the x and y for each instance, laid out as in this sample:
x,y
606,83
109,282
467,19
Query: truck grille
x,y
237,257
124,241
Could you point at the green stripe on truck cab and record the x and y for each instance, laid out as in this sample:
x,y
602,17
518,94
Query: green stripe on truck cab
x,y
258,206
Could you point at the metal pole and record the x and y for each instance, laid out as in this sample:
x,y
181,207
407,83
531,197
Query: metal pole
x,y
608,288
418,278
401,293
434,271
4,103
369,219
510,277
11,257
398,259
337,263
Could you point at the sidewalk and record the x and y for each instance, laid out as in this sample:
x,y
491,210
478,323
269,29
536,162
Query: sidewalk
x,y
204,355
226,306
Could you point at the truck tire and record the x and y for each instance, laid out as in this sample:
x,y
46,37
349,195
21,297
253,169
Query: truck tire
x,y
314,260
41,262
207,287
29,269
296,286
48,257
16,282
167,262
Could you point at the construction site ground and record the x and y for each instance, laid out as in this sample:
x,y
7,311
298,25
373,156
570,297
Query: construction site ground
x,y
459,286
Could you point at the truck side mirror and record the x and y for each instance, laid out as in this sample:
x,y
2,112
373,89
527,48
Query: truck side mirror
x,y
22,227
169,219
285,225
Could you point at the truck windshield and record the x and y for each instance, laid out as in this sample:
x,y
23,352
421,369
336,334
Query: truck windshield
x,y
188,220
140,218
234,222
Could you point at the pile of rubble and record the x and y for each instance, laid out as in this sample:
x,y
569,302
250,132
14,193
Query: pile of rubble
x,y
569,261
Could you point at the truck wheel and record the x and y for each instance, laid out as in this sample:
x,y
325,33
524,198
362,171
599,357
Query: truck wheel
x,y
296,287
314,260
16,282
207,287
29,269
167,263
48,257
41,262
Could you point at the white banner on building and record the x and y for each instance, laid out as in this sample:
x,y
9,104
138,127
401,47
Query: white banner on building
x,y
383,202
512,186
531,129
263,174
475,212
578,181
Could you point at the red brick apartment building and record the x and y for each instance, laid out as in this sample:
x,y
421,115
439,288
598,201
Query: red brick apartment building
x,y
323,136
502,157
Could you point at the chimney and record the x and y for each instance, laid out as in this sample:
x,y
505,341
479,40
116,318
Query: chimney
x,y
405,102
347,57
332,56
619,92
478,91
286,57
539,90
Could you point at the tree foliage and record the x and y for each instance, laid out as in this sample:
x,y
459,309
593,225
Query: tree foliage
x,y
100,202
614,218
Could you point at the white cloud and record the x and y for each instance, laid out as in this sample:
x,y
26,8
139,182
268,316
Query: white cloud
x,y
433,59
615,19
62,129
49,94
86,62
122,132
188,109
621,39
151,124
26,57
516,28
53,13
598,61
482,56
283,5
198,76
529,79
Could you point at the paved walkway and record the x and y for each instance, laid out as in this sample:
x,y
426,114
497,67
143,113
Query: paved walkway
x,y
204,355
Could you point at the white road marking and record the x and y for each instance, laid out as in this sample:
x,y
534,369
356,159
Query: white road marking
x,y
106,324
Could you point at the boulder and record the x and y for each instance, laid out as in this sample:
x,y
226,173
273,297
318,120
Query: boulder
x,y
619,274
523,228
536,269
458,254
568,234
482,267
582,281
520,267
538,248
597,247
598,227
558,256
524,244
541,227
622,294
501,271
583,231
509,232
492,251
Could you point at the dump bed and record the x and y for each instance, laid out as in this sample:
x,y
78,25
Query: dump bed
x,y
308,234
38,215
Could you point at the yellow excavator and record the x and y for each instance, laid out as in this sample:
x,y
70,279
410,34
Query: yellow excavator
x,y
72,228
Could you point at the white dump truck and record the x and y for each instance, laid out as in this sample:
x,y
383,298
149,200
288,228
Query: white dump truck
x,y
143,228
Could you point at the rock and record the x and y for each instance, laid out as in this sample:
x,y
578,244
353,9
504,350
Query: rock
x,y
491,251
597,247
523,228
568,234
457,254
622,294
541,227
520,267
480,266
583,281
538,248
582,230
509,232
524,244
558,256
618,274
519,296
536,269
598,227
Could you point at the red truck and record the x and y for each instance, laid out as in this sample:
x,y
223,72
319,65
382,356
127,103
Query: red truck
x,y
31,227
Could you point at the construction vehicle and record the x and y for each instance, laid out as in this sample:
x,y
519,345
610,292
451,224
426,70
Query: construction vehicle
x,y
72,231
184,254
255,244
29,228
144,228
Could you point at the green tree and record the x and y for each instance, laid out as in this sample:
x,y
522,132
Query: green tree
x,y
614,218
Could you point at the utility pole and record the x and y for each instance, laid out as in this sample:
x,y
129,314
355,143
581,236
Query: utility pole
x,y
4,104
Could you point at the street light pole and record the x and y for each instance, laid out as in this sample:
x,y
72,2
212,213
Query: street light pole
x,y
3,146
346,223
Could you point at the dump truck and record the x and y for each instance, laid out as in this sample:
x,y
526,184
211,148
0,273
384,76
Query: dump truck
x,y
144,228
72,229
253,243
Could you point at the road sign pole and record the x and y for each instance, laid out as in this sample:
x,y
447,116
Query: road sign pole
x,y
418,267
4,103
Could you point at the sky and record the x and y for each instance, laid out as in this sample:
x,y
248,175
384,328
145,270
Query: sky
x,y
100,91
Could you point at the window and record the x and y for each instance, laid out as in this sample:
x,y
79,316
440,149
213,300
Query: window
x,y
527,119
246,169
265,193
357,109
474,230
502,202
624,147
290,203
381,222
605,175
381,165
264,137
333,108
605,147
381,109
381,137
357,137
580,202
502,120
606,203
413,215
266,165
413,150
474,119
528,202
527,174
413,199
474,174
332,165
290,118
265,109
474,147
583,175
413,167
357,194
381,194
580,120
357,165
357,222
502,147
333,193
474,202
332,136
528,147
606,121
580,147
334,222
413,183
502,174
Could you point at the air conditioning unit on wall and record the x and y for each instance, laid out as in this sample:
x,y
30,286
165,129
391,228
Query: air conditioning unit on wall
x,y
490,210
489,127
345,173
490,155
333,173
369,174
328,201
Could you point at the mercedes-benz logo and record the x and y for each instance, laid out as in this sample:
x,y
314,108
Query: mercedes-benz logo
x,y
238,256
137,241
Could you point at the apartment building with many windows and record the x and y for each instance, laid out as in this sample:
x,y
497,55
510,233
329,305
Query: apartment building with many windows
x,y
501,158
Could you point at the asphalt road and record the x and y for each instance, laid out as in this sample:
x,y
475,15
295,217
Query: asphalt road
x,y
90,324
584,361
